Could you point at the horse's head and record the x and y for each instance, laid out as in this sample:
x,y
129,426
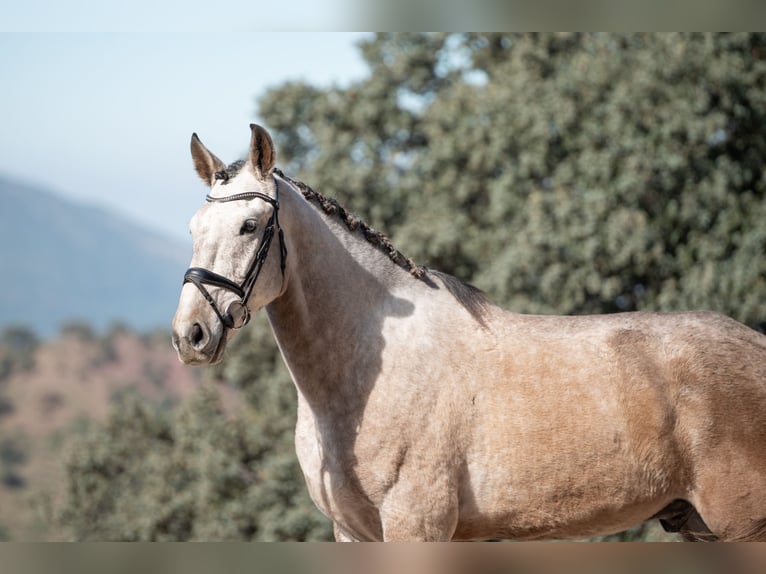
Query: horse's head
x,y
239,252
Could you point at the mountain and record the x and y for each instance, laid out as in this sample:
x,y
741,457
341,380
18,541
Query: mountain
x,y
62,261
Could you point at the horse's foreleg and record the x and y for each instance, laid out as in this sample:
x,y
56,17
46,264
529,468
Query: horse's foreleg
x,y
340,535
426,513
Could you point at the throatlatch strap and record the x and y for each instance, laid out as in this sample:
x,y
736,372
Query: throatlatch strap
x,y
198,275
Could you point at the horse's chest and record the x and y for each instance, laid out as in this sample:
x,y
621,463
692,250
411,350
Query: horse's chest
x,y
336,484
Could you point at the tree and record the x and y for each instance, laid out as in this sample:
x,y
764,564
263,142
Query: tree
x,y
200,472
17,354
17,351
562,173
12,455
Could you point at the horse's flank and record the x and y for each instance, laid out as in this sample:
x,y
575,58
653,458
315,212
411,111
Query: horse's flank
x,y
427,412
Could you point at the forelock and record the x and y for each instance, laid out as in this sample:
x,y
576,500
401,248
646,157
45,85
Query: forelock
x,y
227,174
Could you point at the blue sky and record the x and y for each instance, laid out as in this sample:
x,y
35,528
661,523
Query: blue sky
x,y
106,117
202,16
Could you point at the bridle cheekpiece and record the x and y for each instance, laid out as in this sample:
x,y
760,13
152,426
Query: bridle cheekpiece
x,y
237,314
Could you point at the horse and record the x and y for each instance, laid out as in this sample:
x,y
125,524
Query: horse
x,y
426,412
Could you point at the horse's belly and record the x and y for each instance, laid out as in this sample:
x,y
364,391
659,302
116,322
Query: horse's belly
x,y
578,450
560,488
528,523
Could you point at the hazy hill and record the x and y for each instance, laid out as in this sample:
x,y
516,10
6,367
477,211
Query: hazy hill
x,y
63,261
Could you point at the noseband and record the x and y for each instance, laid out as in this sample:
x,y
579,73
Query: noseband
x,y
237,315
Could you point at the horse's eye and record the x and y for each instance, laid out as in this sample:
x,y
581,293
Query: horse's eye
x,y
248,226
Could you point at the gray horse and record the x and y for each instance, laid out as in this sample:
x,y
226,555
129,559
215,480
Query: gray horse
x,y
425,412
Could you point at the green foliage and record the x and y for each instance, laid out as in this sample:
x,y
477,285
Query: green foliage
x,y
199,473
79,330
12,456
562,173
17,351
17,354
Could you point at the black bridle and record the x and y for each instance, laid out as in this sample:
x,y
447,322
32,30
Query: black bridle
x,y
237,314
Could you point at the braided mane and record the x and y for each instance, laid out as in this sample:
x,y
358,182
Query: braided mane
x,y
472,298
375,238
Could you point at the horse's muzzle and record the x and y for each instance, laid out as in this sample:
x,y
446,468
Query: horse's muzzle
x,y
196,344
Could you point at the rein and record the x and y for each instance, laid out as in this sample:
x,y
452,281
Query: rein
x,y
237,314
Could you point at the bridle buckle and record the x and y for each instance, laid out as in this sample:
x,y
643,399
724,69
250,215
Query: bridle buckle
x,y
237,315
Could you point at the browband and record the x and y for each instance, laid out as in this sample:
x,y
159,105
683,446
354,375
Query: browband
x,y
242,196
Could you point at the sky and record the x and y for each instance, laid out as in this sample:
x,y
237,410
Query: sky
x,y
106,118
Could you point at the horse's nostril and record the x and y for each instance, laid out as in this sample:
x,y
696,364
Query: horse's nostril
x,y
197,334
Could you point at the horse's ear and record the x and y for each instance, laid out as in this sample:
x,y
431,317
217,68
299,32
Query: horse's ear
x,y
205,162
262,155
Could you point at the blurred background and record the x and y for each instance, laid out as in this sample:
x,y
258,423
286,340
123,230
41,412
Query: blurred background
x,y
561,173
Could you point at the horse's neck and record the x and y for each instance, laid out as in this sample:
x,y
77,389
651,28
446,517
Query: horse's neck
x,y
328,322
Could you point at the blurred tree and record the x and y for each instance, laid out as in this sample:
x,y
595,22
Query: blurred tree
x,y
13,451
17,354
17,350
199,473
562,173
78,330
